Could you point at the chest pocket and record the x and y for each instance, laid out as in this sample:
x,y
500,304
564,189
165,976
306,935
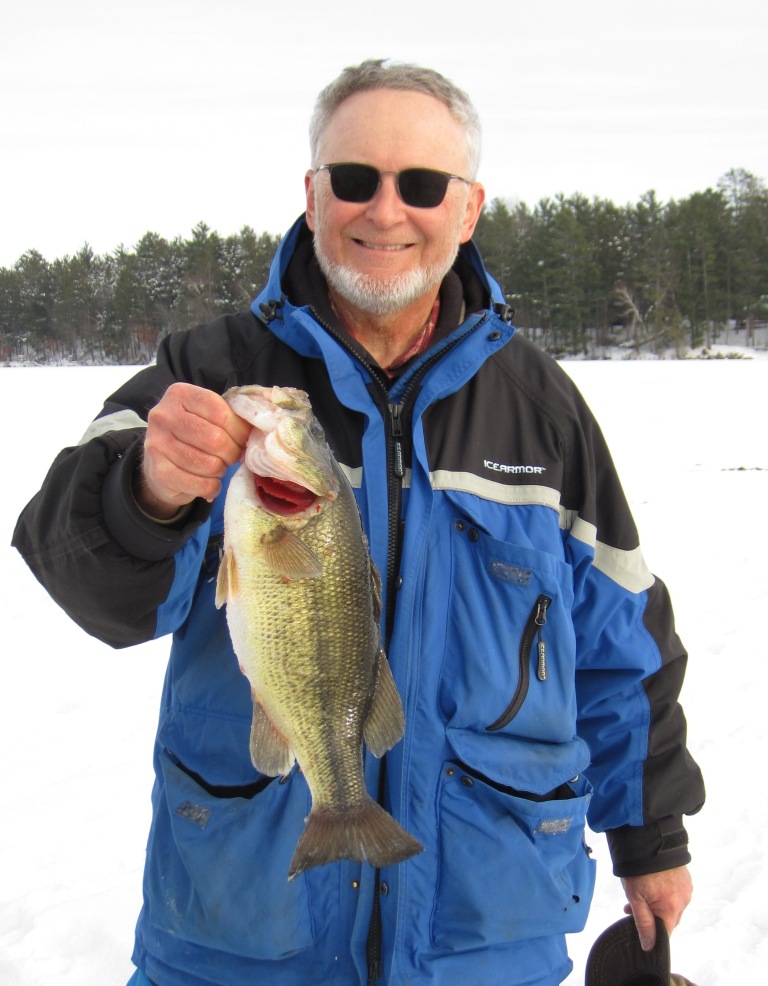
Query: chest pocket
x,y
509,660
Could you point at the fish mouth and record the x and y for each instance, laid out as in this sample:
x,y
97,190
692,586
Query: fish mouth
x,y
282,497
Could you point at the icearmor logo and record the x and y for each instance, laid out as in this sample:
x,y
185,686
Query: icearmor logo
x,y
514,469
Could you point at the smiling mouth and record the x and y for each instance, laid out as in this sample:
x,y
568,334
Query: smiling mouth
x,y
383,246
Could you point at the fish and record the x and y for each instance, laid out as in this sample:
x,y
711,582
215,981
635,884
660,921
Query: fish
x,y
303,605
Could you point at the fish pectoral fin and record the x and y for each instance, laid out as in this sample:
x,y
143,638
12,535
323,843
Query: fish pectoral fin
x,y
226,580
288,556
270,753
385,724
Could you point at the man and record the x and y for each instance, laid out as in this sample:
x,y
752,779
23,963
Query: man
x,y
535,655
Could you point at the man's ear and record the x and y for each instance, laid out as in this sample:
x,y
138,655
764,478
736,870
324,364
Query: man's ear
x,y
309,189
472,211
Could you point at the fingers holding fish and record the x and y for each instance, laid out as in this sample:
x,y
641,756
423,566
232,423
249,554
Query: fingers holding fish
x,y
193,436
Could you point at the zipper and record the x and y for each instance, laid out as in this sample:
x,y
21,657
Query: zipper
x,y
395,470
395,411
395,452
396,465
541,647
395,474
396,427
531,632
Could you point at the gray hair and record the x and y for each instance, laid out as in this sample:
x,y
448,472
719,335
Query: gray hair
x,y
381,73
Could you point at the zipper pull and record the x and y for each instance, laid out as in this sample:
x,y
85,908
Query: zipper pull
x,y
541,671
542,604
395,416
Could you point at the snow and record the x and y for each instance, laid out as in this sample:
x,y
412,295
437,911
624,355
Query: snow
x,y
77,719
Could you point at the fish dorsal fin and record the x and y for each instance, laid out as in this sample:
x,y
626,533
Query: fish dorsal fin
x,y
226,580
288,556
270,753
385,724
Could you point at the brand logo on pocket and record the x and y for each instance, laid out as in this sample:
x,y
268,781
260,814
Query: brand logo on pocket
x,y
553,826
194,813
511,573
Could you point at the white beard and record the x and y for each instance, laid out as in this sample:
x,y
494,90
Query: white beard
x,y
381,295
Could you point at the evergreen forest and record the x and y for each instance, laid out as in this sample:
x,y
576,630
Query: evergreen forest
x,y
582,275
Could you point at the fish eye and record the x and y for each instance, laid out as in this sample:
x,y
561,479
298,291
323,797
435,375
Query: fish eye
x,y
316,431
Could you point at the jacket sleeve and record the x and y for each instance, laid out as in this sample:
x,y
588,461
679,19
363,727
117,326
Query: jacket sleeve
x,y
107,564
630,671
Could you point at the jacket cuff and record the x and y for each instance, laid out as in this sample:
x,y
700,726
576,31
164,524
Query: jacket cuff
x,y
638,850
134,530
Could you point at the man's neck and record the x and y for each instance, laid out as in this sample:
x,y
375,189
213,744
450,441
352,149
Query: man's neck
x,y
385,337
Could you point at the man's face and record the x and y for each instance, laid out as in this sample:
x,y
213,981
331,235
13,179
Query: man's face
x,y
384,240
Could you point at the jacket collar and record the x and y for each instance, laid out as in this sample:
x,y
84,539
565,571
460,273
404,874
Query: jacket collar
x,y
295,277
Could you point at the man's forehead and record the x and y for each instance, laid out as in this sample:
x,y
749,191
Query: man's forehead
x,y
395,122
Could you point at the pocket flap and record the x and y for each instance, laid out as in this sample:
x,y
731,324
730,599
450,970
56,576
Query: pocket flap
x,y
520,764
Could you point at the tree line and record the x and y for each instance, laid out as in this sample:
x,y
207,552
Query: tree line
x,y
584,275
581,275
116,308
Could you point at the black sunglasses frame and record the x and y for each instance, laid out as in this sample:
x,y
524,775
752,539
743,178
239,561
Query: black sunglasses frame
x,y
369,178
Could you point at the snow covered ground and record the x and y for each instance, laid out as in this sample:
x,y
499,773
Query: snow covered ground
x,y
77,719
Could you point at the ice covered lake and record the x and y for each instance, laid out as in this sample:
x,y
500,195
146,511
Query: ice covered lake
x,y
77,719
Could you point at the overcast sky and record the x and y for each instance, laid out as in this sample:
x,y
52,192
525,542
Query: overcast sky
x,y
119,118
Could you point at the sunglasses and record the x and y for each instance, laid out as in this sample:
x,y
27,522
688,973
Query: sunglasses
x,y
422,188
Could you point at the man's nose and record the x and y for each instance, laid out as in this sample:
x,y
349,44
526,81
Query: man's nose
x,y
386,207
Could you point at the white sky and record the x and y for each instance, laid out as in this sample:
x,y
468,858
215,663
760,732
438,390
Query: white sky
x,y
119,118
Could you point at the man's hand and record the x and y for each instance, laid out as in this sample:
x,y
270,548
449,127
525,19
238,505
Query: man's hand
x,y
665,894
193,436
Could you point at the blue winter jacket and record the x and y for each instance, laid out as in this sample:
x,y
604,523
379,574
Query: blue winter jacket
x,y
534,652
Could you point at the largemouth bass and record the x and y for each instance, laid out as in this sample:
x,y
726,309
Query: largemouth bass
x,y
303,605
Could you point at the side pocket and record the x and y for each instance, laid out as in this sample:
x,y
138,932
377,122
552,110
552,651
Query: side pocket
x,y
210,880
510,868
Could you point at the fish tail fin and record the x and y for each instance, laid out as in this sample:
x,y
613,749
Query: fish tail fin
x,y
363,832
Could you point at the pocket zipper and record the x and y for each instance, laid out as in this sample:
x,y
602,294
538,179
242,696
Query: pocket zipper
x,y
532,630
